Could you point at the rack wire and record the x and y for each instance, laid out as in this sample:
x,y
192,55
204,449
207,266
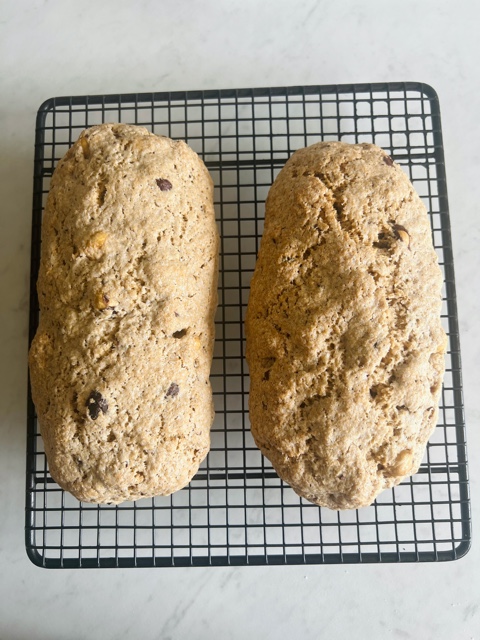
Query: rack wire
x,y
236,511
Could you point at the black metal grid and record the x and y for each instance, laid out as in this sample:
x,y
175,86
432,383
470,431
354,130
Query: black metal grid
x,y
236,510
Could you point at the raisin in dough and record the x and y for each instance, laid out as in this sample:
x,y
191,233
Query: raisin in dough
x,y
127,290
344,341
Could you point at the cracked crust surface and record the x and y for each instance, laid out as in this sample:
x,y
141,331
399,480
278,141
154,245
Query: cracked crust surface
x,y
127,289
344,340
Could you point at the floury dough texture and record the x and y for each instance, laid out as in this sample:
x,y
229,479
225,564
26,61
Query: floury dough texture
x,y
344,340
127,289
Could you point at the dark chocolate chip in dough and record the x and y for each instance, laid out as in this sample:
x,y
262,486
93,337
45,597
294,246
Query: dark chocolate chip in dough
x,y
173,390
164,184
179,334
96,403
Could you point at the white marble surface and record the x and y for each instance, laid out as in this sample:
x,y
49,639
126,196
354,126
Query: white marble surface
x,y
73,47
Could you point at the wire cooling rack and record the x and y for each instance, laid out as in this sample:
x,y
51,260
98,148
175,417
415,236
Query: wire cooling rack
x,y
236,510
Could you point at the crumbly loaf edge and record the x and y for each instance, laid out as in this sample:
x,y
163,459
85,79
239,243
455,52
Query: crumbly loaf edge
x,y
344,340
127,292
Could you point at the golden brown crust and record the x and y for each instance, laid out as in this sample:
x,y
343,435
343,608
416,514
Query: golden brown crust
x,y
127,290
344,341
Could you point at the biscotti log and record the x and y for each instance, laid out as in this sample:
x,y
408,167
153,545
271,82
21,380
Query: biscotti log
x,y
344,340
127,291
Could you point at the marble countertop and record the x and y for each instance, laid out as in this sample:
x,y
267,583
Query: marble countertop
x,y
73,47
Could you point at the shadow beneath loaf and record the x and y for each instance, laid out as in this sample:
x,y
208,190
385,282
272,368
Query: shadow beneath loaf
x,y
16,196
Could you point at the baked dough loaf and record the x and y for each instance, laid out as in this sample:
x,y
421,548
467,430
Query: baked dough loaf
x,y
127,290
344,341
